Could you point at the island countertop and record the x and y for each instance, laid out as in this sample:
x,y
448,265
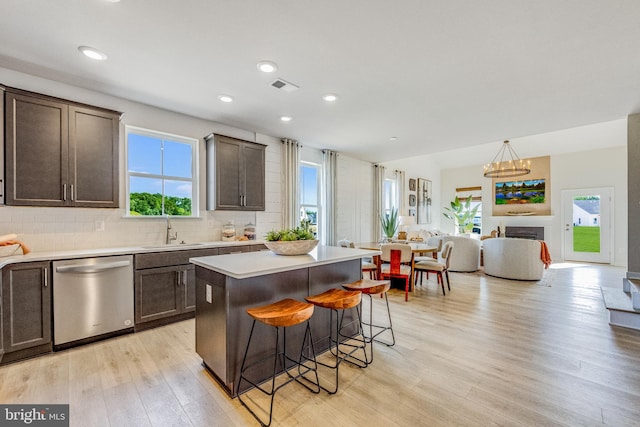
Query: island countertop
x,y
252,264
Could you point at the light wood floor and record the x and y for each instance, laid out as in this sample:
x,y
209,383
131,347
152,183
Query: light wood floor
x,y
492,352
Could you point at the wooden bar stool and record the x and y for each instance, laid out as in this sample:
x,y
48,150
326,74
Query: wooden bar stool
x,y
334,300
282,314
369,288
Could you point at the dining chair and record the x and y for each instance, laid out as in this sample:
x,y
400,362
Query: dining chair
x,y
436,267
367,265
432,256
397,263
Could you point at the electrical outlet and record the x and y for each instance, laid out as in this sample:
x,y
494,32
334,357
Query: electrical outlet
x,y
99,225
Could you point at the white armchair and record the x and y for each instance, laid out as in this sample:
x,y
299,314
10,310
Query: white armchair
x,y
509,258
465,257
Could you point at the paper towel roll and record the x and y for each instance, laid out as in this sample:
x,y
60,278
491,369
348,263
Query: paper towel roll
x,y
8,237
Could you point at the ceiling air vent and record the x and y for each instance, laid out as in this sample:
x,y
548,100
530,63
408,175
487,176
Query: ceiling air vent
x,y
284,85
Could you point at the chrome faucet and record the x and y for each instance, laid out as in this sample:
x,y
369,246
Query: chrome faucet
x,y
170,236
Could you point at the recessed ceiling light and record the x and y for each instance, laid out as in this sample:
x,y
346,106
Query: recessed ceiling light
x,y
93,53
393,138
113,1
225,98
267,66
286,118
330,97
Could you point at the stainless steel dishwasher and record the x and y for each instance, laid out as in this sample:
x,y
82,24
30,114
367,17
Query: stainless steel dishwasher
x,y
92,297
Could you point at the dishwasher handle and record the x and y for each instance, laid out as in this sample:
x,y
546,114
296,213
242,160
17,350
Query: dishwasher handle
x,y
91,268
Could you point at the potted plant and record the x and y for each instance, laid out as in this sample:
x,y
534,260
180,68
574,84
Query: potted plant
x,y
461,213
389,223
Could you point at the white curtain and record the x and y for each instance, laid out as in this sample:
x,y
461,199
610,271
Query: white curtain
x,y
378,203
400,192
329,216
290,183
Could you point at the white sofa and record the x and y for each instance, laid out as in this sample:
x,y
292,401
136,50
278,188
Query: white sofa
x,y
510,258
465,256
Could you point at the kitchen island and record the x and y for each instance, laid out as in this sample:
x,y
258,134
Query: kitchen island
x,y
226,285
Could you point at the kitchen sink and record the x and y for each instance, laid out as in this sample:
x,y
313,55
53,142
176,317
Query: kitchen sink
x,y
172,245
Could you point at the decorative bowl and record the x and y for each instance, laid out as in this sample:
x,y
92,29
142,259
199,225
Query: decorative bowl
x,y
293,247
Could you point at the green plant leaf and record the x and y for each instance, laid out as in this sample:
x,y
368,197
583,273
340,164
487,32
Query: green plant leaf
x,y
389,222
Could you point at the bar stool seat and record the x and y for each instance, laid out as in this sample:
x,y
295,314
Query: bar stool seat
x,y
287,312
335,300
281,314
369,288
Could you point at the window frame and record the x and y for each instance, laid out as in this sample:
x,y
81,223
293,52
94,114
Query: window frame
x,y
318,206
389,195
194,180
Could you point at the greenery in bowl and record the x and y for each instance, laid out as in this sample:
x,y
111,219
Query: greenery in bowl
x,y
290,234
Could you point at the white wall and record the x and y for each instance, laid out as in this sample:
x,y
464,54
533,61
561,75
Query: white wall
x,y
571,168
44,229
584,169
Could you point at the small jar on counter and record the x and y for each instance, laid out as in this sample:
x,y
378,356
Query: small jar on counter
x,y
250,231
228,232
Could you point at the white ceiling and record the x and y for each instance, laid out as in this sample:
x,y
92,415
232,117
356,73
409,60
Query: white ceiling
x,y
436,74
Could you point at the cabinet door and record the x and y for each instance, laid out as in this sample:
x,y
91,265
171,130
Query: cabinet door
x,y
36,136
229,174
189,288
26,298
157,293
93,158
253,155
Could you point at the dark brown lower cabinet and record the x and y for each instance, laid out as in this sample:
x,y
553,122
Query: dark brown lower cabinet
x,y
164,292
165,286
26,310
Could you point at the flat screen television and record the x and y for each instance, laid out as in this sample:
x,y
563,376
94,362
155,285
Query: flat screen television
x,y
520,192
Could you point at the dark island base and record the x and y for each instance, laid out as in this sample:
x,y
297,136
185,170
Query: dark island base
x,y
223,326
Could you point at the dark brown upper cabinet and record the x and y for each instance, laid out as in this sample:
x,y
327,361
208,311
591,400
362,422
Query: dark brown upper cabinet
x,y
59,153
235,174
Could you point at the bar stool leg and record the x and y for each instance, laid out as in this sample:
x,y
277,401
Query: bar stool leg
x,y
340,355
382,328
282,357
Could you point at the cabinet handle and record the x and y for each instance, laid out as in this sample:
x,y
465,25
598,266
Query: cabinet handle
x,y
178,278
184,277
71,191
64,192
45,271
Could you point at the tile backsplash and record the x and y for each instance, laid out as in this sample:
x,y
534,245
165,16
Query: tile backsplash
x,y
59,229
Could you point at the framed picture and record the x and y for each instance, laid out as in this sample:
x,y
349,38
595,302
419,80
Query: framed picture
x,y
412,200
412,185
424,201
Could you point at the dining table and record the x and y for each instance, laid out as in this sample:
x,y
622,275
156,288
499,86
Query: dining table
x,y
417,248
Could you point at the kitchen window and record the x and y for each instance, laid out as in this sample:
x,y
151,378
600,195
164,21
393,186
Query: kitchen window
x,y
310,194
162,171
389,195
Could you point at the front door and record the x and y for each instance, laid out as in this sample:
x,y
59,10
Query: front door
x,y
587,224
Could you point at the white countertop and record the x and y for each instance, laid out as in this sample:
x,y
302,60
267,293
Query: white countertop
x,y
251,264
88,253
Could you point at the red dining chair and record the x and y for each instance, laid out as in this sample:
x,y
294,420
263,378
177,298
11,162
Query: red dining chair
x,y
398,259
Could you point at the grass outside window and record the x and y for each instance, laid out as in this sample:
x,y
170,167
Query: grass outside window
x,y
586,239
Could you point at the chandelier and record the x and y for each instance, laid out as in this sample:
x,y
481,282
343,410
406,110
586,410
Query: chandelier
x,y
507,164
